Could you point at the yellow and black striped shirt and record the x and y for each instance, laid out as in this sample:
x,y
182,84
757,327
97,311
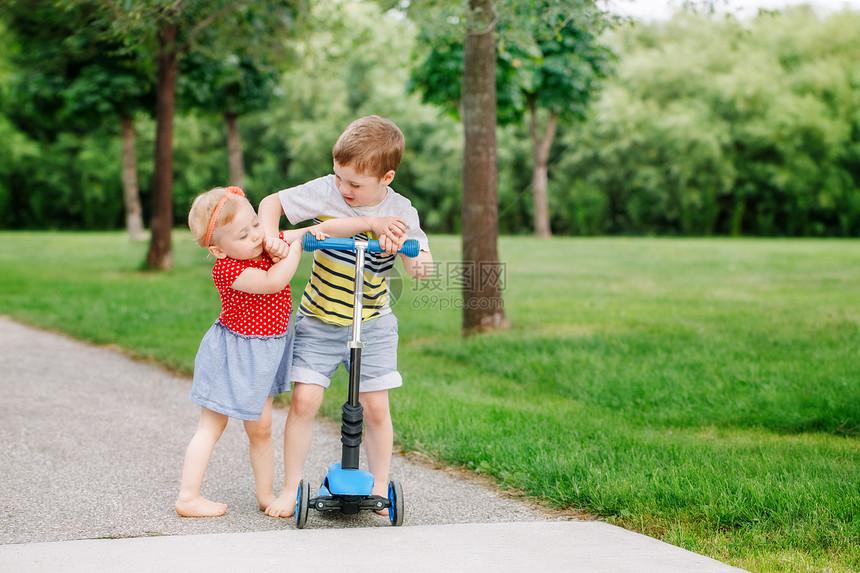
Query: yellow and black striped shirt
x,y
329,294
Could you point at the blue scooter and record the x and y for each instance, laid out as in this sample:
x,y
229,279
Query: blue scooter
x,y
346,488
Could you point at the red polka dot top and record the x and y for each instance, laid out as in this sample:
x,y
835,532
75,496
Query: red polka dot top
x,y
246,313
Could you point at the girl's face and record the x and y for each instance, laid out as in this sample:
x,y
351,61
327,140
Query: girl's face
x,y
242,238
359,190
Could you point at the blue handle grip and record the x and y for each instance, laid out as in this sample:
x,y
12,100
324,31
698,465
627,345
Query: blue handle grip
x,y
310,243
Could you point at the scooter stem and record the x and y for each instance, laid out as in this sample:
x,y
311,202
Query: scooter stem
x,y
352,418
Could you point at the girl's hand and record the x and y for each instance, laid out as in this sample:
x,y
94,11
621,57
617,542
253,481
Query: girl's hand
x,y
277,249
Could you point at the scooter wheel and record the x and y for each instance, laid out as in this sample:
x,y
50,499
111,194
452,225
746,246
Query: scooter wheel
x,y
303,502
395,496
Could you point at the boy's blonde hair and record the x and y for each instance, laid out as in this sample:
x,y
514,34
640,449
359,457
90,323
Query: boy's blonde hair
x,y
204,205
371,145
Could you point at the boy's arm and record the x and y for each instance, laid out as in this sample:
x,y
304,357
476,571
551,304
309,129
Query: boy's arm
x,y
393,228
420,267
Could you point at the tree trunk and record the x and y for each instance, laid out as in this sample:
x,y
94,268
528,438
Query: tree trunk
x,y
130,190
482,274
160,253
540,175
234,149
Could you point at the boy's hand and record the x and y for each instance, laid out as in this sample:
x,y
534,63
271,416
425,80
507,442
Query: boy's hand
x,y
391,228
276,248
315,231
391,246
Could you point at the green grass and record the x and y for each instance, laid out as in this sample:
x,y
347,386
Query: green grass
x,y
702,391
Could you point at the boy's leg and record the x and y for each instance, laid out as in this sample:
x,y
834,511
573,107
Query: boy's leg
x,y
190,503
262,455
378,439
298,431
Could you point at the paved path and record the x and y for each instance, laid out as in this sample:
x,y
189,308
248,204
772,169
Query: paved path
x,y
92,447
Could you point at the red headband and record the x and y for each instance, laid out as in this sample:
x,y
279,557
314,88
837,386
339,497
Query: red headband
x,y
230,191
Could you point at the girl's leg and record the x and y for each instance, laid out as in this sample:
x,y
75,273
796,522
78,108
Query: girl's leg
x,y
262,455
378,439
190,503
298,431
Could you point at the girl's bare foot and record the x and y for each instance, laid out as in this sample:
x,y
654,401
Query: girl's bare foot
x,y
199,507
283,506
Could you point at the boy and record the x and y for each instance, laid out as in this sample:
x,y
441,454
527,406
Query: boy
x,y
366,157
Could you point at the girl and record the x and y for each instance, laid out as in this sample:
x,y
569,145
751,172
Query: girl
x,y
245,357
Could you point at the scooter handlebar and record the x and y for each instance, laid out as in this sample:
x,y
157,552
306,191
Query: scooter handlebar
x,y
310,243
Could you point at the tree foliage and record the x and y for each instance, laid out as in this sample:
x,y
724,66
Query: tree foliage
x,y
707,125
547,51
68,74
715,126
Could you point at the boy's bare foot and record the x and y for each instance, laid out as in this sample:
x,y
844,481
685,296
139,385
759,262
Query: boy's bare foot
x,y
283,506
199,507
264,501
382,512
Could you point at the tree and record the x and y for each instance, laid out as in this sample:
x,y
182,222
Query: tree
x,y
462,77
483,309
160,255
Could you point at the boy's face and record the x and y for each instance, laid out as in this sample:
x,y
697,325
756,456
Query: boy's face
x,y
359,190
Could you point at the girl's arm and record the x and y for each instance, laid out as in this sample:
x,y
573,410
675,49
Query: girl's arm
x,y
269,214
258,281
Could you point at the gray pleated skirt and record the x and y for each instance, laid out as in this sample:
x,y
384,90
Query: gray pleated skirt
x,y
234,374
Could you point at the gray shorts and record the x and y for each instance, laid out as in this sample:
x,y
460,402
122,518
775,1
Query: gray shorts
x,y
321,347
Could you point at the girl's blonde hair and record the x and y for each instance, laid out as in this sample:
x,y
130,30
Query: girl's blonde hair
x,y
204,205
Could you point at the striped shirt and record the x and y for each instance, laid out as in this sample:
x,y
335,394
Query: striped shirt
x,y
330,292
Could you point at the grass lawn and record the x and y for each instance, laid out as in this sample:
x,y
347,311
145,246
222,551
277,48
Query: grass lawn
x,y
702,391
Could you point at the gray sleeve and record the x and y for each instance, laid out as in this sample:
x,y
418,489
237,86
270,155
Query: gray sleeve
x,y
306,201
413,229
